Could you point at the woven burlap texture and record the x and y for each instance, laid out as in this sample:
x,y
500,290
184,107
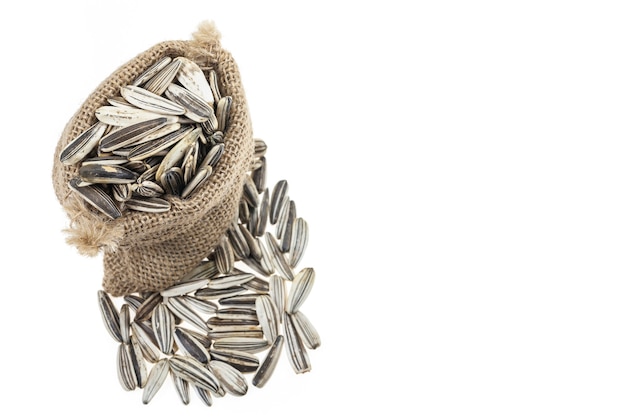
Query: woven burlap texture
x,y
151,251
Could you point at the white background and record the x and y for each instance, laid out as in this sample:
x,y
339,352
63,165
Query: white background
x,y
461,166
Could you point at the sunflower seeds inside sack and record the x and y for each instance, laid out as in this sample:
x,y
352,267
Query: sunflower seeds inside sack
x,y
162,135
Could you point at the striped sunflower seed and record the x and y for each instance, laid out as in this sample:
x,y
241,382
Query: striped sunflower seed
x,y
231,379
266,369
82,145
190,345
125,371
155,380
298,357
194,372
300,289
147,100
182,388
163,327
267,313
152,70
309,336
110,316
96,197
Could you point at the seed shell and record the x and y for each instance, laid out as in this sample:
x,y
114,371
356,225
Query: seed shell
x,y
266,369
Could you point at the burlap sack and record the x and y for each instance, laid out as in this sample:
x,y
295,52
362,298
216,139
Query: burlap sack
x,y
151,251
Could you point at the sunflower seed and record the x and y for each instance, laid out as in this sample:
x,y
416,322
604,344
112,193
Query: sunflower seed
x,y
277,292
82,145
260,147
230,378
278,200
224,256
253,222
204,395
125,372
137,362
300,289
96,197
223,112
309,336
194,184
182,388
150,148
266,369
236,331
277,256
194,372
239,300
214,84
250,194
163,79
255,250
134,301
147,100
283,217
201,305
120,102
144,312
214,155
148,204
107,174
186,314
110,316
152,70
238,241
216,323
259,175
192,347
144,337
124,116
227,281
257,284
148,189
192,78
298,357
236,313
206,269
267,259
190,161
105,160
242,361
125,323
285,242
243,344
299,241
184,287
267,313
211,293
163,327
243,212
155,379
173,182
203,339
195,107
133,134
177,152
263,213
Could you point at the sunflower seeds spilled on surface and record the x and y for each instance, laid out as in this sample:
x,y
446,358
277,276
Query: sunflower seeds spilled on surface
x,y
208,329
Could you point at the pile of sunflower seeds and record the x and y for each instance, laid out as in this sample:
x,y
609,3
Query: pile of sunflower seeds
x,y
163,135
243,299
